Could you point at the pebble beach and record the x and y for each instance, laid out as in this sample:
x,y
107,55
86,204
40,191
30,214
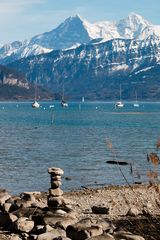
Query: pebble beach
x,y
109,213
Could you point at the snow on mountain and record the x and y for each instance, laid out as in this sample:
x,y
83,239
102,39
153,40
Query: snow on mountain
x,y
132,26
17,50
67,34
75,31
34,49
94,70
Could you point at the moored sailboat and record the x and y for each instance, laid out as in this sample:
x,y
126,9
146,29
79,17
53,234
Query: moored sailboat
x,y
119,104
35,104
63,102
136,104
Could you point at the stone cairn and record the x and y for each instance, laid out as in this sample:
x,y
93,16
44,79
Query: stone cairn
x,y
55,198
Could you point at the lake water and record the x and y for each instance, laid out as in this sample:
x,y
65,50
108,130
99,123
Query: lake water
x,y
75,139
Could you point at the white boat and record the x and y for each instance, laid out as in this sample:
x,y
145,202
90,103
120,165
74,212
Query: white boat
x,y
35,104
136,104
119,104
63,102
82,99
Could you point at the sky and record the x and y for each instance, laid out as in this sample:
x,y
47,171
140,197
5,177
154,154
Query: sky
x,y
23,19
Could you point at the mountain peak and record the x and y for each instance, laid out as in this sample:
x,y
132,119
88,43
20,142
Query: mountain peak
x,y
133,20
137,19
132,26
134,15
77,17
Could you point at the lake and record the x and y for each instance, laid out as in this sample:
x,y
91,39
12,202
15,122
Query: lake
x,y
79,139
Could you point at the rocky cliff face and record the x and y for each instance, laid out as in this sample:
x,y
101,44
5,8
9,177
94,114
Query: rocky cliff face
x,y
14,85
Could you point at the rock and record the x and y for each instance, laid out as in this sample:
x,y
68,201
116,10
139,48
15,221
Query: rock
x,y
39,229
27,212
126,236
11,200
23,224
100,210
9,207
56,178
53,219
56,202
30,196
55,192
60,212
15,237
55,233
133,212
83,229
23,203
39,204
7,219
56,184
55,171
4,196
106,225
65,222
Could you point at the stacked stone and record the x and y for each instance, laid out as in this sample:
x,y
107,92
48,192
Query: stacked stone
x,y
55,198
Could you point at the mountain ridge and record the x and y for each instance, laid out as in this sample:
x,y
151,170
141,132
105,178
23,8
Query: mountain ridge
x,y
75,31
96,70
93,59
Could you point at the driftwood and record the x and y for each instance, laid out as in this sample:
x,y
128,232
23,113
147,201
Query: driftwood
x,y
117,162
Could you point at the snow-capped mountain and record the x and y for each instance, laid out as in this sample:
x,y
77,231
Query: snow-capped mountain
x,y
18,50
92,58
71,32
95,70
75,31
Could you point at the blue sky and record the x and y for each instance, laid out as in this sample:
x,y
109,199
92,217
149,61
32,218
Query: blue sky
x,y
22,19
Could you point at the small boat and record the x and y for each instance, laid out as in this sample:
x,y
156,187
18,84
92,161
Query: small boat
x,y
63,102
35,104
51,106
82,99
136,104
119,104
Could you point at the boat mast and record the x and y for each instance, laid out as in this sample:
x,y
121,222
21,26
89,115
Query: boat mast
x,y
136,96
120,94
35,94
63,92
